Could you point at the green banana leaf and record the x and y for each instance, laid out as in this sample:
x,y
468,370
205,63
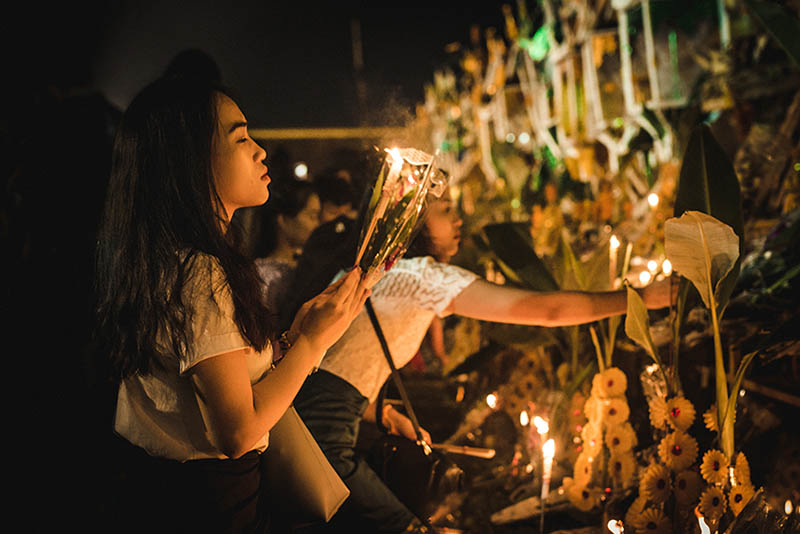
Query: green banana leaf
x,y
637,327
512,246
780,23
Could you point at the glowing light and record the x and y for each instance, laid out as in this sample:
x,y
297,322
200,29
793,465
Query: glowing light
x,y
301,170
542,427
666,267
614,242
702,521
491,400
524,138
652,368
510,137
616,526
515,203
645,277
549,449
523,418
652,266
741,393
787,507
652,199
529,468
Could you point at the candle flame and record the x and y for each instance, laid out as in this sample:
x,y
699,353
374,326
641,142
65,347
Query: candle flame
x,y
549,448
704,529
652,199
491,400
787,507
542,427
652,266
523,418
645,277
614,242
616,526
666,267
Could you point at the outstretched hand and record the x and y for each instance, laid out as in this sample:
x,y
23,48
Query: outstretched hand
x,y
323,319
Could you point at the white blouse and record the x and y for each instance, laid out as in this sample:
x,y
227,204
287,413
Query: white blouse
x,y
405,301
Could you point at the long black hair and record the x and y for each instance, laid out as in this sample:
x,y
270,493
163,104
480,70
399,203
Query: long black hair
x,y
162,212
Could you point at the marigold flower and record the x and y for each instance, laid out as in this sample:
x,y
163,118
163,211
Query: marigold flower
x,y
656,483
615,411
714,467
621,467
620,438
687,488
592,409
592,436
583,469
710,418
680,413
610,383
678,450
740,496
741,471
653,521
658,413
582,497
712,503
635,511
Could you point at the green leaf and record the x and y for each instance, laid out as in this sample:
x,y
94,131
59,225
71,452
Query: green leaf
x,y
780,23
596,270
637,324
569,271
709,184
702,249
512,245
730,410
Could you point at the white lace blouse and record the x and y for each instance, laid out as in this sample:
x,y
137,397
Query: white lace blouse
x,y
405,302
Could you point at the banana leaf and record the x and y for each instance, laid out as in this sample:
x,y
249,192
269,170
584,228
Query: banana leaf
x,y
512,246
780,23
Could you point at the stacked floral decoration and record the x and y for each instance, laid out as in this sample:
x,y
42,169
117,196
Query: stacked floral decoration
x,y
606,459
669,486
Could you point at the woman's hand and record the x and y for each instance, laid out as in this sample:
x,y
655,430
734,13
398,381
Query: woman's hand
x,y
400,425
323,319
660,294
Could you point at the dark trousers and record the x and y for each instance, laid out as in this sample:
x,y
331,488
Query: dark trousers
x,y
332,410
220,496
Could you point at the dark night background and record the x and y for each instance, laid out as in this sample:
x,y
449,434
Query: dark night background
x,y
70,70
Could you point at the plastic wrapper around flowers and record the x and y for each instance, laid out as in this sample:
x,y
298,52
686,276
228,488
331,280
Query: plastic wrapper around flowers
x,y
406,179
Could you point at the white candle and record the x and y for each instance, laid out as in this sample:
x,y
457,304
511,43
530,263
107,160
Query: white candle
x,y
616,526
613,246
548,452
702,521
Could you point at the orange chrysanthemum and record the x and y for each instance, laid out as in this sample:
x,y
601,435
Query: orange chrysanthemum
x,y
741,471
710,418
712,503
656,483
635,511
658,413
621,467
583,469
714,467
610,383
687,488
680,413
582,497
592,409
615,411
678,450
621,438
653,521
592,436
739,497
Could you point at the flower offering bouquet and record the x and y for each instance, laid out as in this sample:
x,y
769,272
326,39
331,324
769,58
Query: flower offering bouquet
x,y
395,208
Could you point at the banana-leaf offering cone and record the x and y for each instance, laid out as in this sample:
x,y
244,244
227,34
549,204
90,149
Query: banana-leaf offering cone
x,y
406,179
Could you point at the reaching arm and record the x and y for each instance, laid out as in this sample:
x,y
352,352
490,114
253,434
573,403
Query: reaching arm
x,y
238,414
489,302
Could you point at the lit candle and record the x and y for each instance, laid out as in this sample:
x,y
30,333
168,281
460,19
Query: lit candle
x,y
523,418
548,452
652,199
616,526
491,400
613,246
702,521
666,267
541,425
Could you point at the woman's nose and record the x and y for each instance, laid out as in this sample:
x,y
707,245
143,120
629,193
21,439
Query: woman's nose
x,y
261,153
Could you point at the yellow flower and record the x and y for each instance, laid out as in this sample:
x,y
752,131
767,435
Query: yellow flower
x,y
714,467
739,497
712,503
653,521
680,413
741,471
620,438
582,497
655,484
658,413
678,450
687,488
710,418
621,468
610,383
615,411
635,511
592,436
583,469
593,410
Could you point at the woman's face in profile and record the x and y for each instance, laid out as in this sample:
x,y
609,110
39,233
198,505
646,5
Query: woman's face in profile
x,y
237,161
443,225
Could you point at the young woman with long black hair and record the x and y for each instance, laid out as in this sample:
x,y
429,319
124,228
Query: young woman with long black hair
x,y
181,319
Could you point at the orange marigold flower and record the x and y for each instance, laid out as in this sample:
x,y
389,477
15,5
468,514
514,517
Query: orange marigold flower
x,y
714,467
583,469
658,413
620,438
621,467
687,488
615,411
610,383
582,497
739,497
712,503
680,413
653,521
592,409
741,471
678,450
656,483
635,511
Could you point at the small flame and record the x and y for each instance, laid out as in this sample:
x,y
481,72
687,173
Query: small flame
x,y
787,507
523,418
616,526
614,242
645,277
549,448
702,521
652,266
491,400
666,267
652,199
542,427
